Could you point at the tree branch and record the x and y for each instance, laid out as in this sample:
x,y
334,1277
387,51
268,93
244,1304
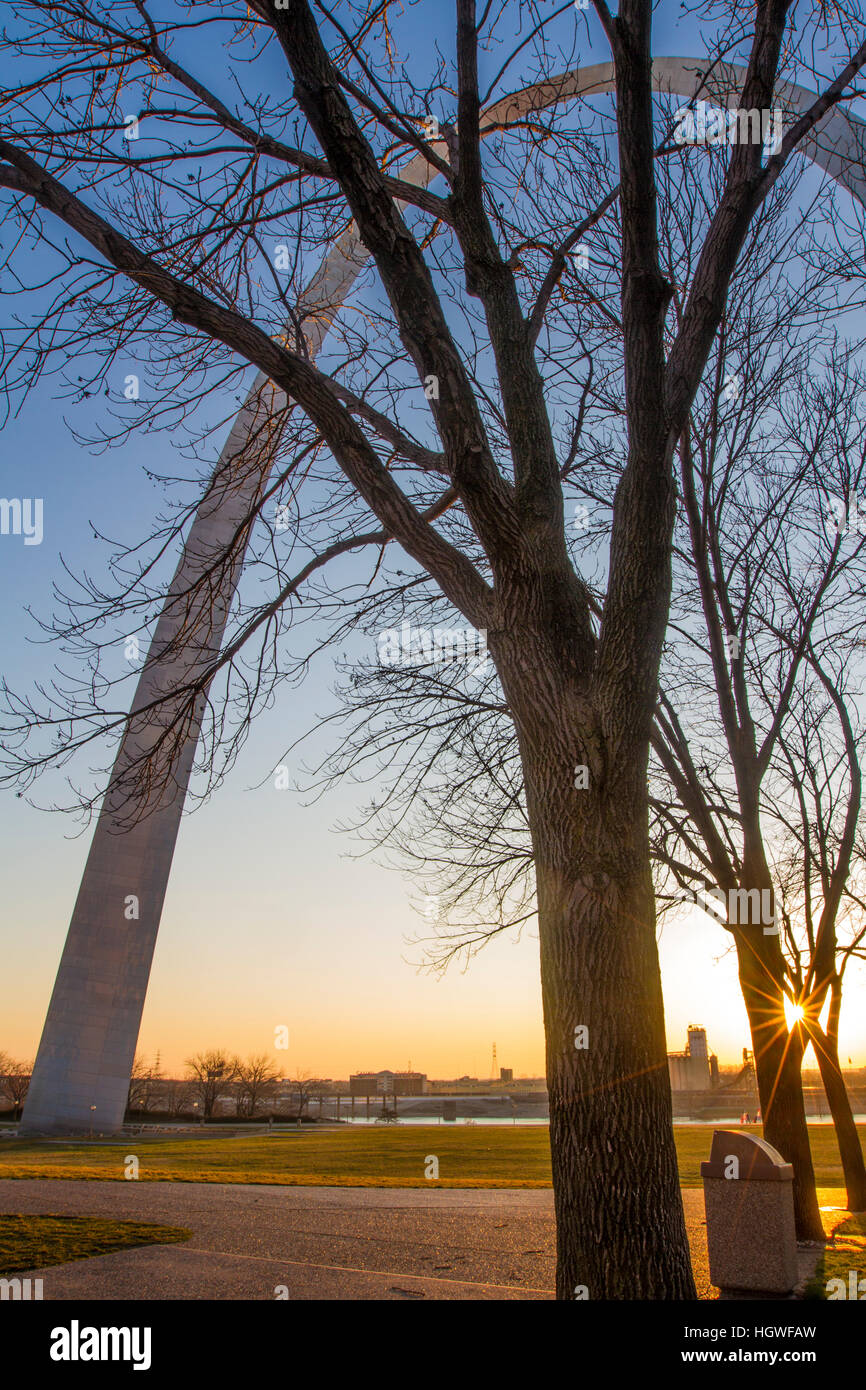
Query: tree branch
x,y
457,576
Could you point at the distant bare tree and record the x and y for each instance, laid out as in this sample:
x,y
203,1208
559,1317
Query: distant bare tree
x,y
144,1086
208,1074
255,1079
14,1082
176,1097
305,1086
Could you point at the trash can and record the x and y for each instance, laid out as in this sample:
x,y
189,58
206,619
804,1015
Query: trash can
x,y
749,1201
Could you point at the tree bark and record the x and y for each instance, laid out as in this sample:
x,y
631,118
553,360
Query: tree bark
x,y
847,1135
826,1045
614,1160
620,1225
778,1062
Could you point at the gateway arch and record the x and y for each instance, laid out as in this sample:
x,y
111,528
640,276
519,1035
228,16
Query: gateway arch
x,y
82,1070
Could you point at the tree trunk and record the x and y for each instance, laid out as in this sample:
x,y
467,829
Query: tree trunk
x,y
826,1045
619,1215
620,1225
778,1062
847,1135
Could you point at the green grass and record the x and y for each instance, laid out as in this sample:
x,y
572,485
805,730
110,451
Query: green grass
x,y
32,1242
476,1156
847,1252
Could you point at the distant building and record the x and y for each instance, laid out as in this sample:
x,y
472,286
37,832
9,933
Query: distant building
x,y
696,1046
388,1083
694,1069
410,1083
472,1085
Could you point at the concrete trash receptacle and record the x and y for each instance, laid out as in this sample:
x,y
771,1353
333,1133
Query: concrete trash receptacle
x,y
749,1200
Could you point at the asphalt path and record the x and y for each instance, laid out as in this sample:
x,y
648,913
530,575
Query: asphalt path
x,y
263,1242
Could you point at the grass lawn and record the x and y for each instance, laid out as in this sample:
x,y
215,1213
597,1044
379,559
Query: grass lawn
x,y
31,1242
847,1252
469,1156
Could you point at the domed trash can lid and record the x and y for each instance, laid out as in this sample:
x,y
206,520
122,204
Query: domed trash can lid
x,y
757,1160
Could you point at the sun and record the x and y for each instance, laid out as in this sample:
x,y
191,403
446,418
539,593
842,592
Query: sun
x,y
794,1013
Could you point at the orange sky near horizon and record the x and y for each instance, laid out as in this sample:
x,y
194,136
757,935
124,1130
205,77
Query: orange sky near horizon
x,y
268,922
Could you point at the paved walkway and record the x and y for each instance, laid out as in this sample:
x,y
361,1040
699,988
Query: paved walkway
x,y
321,1243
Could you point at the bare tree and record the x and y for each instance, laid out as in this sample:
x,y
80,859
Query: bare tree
x,y
137,1083
208,1074
761,584
144,1085
14,1081
778,597
256,1079
476,301
820,874
176,1097
305,1086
